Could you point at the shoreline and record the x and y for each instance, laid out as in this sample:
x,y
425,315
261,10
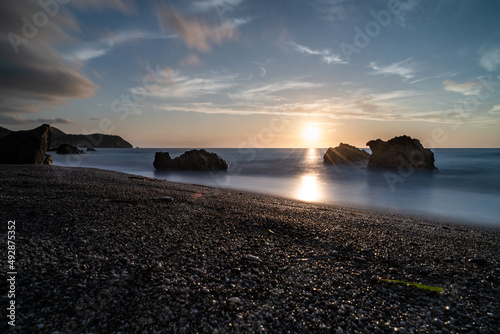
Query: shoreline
x,y
102,250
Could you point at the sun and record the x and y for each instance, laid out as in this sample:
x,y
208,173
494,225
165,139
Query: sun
x,y
311,133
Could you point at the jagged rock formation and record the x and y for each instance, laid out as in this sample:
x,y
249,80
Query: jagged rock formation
x,y
400,151
345,153
199,160
26,147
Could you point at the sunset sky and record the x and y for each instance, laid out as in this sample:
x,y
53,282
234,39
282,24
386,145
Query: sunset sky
x,y
252,73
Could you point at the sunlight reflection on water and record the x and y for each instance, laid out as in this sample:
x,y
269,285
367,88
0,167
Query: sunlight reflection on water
x,y
308,189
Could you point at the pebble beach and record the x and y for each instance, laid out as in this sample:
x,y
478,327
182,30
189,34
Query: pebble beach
x,y
107,252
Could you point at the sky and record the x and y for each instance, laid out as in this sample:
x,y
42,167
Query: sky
x,y
254,73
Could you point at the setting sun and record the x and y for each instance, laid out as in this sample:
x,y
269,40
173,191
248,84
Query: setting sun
x,y
311,133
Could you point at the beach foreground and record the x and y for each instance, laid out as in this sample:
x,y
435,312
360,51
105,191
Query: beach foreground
x,y
101,251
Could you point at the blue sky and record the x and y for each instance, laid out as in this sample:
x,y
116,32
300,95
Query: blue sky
x,y
242,73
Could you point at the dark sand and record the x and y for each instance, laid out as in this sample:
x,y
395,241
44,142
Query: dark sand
x,y
100,252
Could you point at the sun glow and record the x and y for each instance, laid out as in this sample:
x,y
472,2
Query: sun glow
x,y
311,134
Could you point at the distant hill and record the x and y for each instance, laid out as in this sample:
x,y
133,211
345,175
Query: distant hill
x,y
98,140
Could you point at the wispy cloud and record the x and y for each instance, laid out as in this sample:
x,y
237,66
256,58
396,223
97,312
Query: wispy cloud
x,y
19,120
405,69
439,76
174,85
490,60
220,5
105,45
196,34
472,87
495,110
326,55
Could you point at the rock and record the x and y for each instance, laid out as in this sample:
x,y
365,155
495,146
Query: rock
x,y
26,147
234,300
345,153
199,160
167,199
253,258
90,149
47,160
399,152
68,149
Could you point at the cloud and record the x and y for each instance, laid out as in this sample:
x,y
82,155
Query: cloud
x,y
490,60
124,6
170,84
495,110
196,34
405,69
472,87
105,45
326,55
19,120
219,5
190,60
32,73
268,91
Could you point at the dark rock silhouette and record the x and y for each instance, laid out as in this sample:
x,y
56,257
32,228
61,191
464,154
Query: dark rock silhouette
x,y
199,160
26,147
345,153
98,140
68,149
90,149
400,151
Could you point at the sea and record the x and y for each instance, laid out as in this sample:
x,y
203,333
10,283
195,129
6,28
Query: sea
x,y
465,188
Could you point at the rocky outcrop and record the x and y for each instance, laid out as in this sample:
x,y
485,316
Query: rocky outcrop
x,y
399,152
90,149
97,140
68,149
199,160
345,153
26,147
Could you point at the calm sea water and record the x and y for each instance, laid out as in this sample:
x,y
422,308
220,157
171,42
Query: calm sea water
x,y
466,187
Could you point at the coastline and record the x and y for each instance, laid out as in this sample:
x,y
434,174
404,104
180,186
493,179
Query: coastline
x,y
102,250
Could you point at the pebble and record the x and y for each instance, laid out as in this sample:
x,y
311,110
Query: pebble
x,y
253,258
167,199
234,300
191,268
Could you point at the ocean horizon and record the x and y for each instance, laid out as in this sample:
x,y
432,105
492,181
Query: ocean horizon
x,y
465,188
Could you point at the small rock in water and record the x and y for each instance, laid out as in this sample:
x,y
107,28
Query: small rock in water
x,y
253,258
167,199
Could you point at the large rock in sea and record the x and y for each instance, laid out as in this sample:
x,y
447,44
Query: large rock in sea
x,y
199,160
68,149
26,147
345,153
399,152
